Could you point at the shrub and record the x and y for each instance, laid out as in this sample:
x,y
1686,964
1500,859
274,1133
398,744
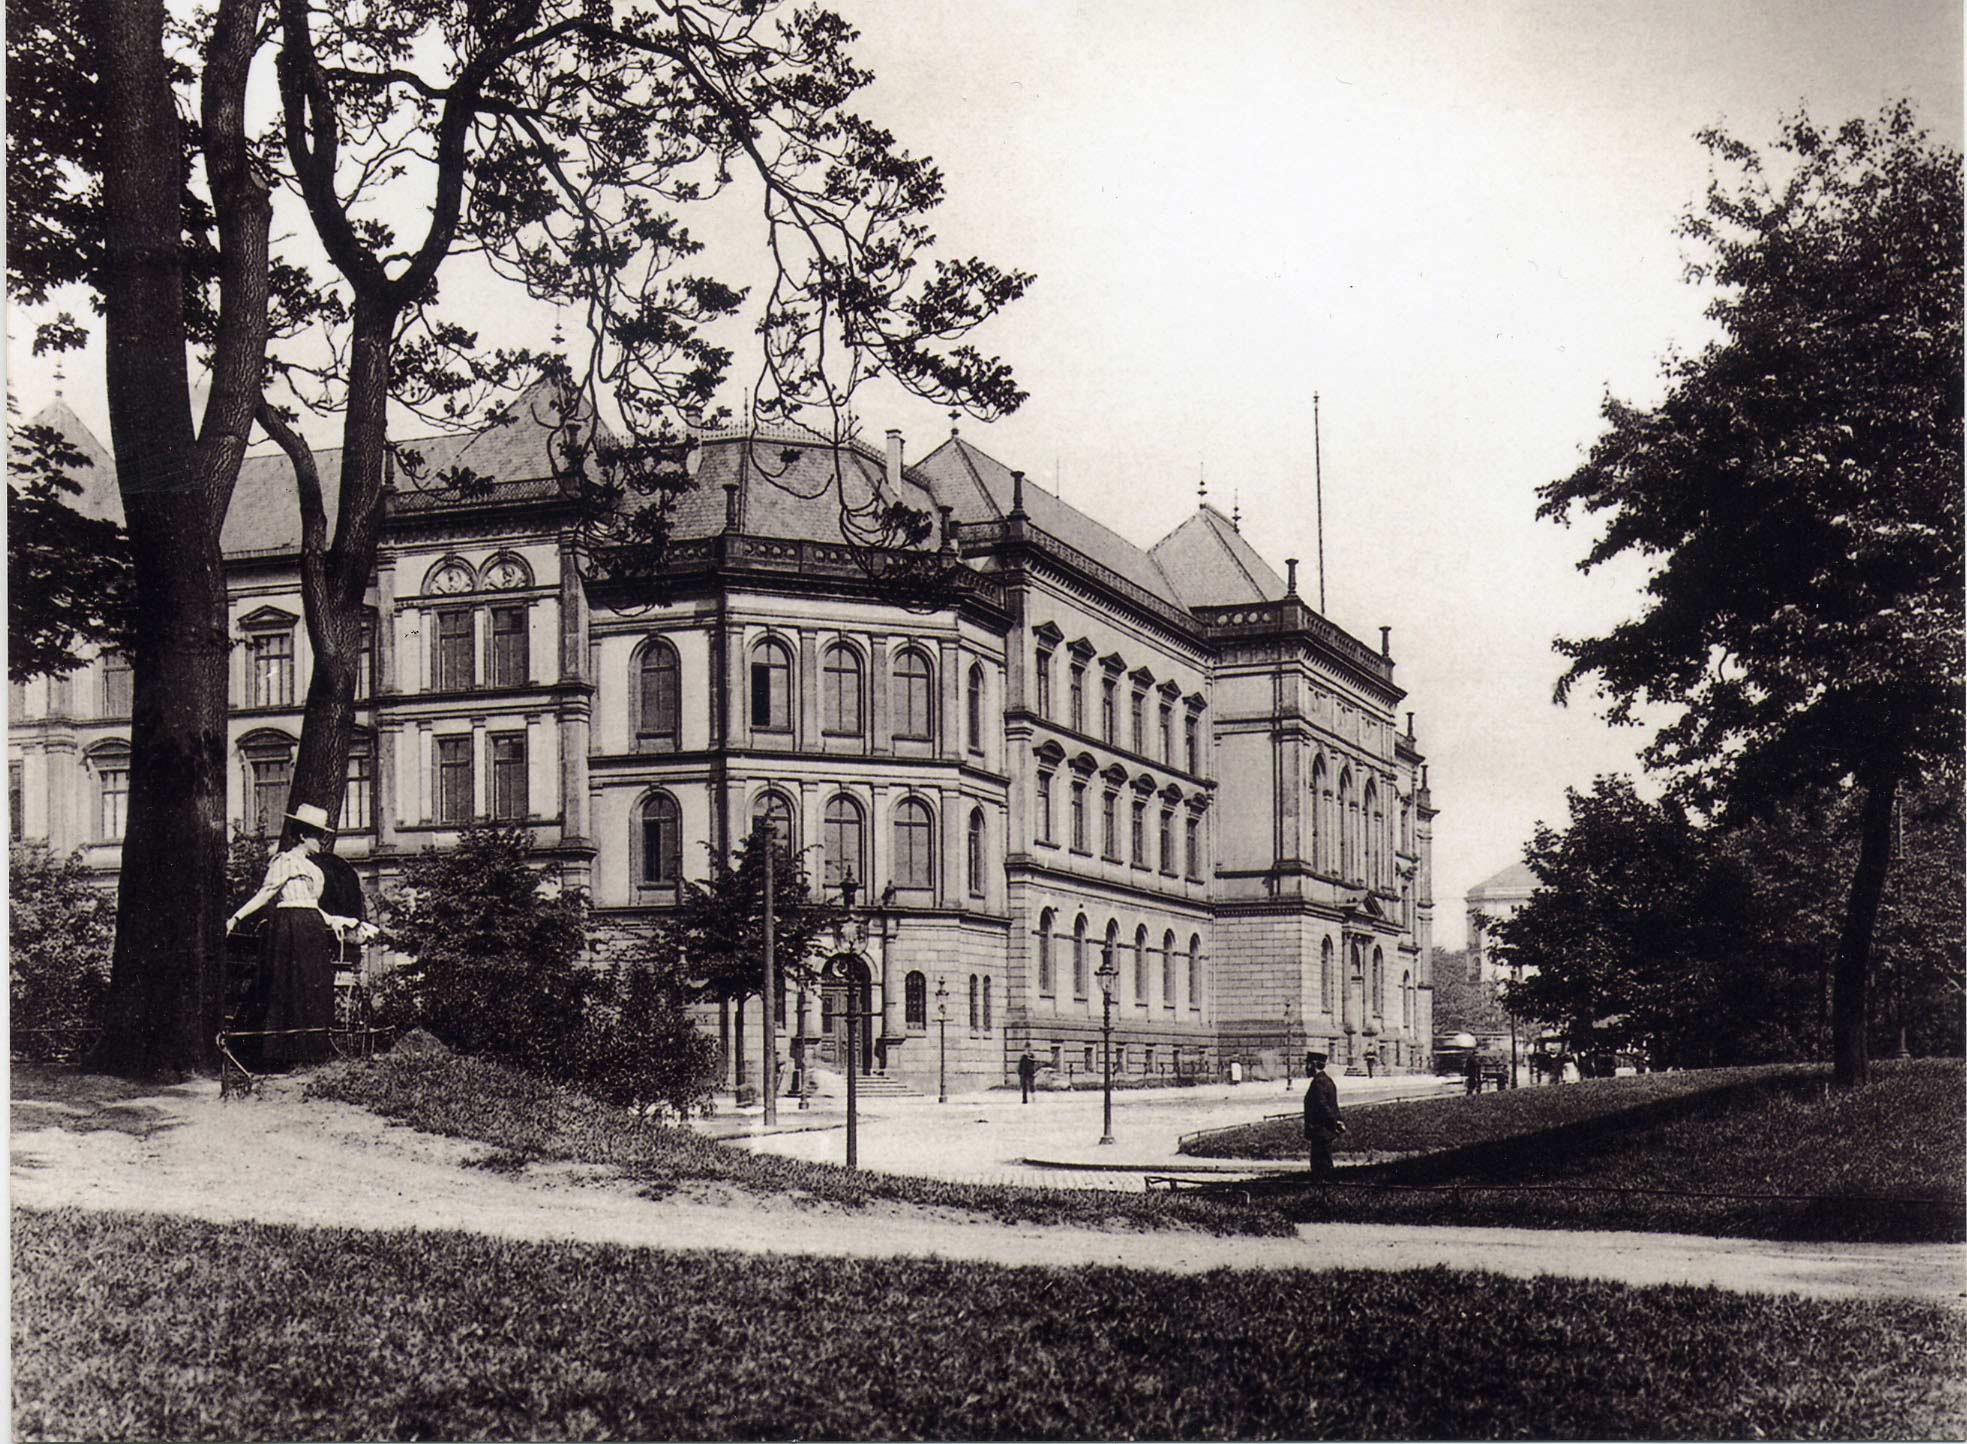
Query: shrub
x,y
638,1046
61,931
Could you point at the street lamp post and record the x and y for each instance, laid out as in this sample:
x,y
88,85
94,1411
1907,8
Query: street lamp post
x,y
1290,1081
942,1041
1108,974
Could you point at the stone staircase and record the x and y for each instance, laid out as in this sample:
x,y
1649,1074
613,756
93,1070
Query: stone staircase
x,y
873,1085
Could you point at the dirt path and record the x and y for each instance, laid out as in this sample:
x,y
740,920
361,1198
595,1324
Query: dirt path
x,y
276,1159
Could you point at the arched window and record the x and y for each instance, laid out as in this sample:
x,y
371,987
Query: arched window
x,y
1168,991
1140,967
915,853
111,764
975,868
774,809
1195,993
1325,975
1110,951
973,708
1379,982
1348,829
915,693
1079,956
658,698
661,840
840,692
976,1002
1320,840
915,1001
771,686
1407,1001
986,1019
1046,923
843,842
1372,823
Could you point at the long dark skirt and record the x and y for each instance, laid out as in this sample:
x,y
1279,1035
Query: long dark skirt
x,y
295,987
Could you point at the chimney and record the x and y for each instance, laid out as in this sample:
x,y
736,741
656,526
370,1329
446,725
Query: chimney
x,y
944,509
1291,576
894,461
1386,642
1410,724
730,506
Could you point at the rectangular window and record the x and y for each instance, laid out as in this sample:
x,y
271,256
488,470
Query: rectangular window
x,y
455,670
1045,685
1137,721
1191,743
510,663
270,663
365,660
358,798
1168,733
16,800
1168,842
272,778
771,681
1195,847
115,783
1110,827
116,690
1078,699
509,776
1078,817
1138,835
454,803
1044,807
1109,710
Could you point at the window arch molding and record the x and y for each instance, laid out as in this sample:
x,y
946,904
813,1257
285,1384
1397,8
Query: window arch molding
x,y
449,575
504,571
912,824
656,695
774,805
843,840
656,840
913,675
843,690
773,672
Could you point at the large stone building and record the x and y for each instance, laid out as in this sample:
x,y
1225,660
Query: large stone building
x,y
1489,902
1082,751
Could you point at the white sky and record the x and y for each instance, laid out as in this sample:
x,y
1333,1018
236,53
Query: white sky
x,y
1454,221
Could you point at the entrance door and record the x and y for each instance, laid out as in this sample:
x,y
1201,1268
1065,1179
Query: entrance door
x,y
849,984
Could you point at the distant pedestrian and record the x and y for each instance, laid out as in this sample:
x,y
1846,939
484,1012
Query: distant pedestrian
x,y
1472,1080
1027,1075
1322,1121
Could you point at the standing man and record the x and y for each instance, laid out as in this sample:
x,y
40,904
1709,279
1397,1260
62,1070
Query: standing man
x,y
1322,1121
1027,1075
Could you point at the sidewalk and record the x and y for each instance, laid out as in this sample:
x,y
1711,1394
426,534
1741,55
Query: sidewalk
x,y
1053,1141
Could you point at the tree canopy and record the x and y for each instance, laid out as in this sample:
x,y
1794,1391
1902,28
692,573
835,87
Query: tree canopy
x,y
1798,495
68,575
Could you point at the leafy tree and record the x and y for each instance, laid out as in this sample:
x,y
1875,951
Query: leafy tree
x,y
1462,1003
641,1049
718,927
495,950
553,141
61,926
1637,933
1799,492
68,575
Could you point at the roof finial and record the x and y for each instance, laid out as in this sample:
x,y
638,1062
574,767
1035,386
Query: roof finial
x,y
1236,510
559,334
1201,484
59,377
954,414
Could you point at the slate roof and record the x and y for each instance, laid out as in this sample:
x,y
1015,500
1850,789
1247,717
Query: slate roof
x,y
978,487
1516,880
98,497
788,487
1210,564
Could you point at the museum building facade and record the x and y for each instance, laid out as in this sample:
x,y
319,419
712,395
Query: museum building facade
x,y
1032,751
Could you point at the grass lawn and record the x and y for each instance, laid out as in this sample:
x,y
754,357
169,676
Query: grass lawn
x,y
130,1326
1658,1152
526,1120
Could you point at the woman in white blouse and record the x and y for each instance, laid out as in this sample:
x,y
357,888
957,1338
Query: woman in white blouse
x,y
294,996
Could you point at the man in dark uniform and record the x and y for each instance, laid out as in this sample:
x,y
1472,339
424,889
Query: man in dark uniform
x,y
1027,1075
1322,1121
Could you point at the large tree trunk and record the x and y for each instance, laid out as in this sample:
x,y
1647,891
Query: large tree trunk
x,y
1849,1002
166,983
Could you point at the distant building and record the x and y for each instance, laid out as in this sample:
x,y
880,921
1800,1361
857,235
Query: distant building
x,y
1084,750
1494,899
